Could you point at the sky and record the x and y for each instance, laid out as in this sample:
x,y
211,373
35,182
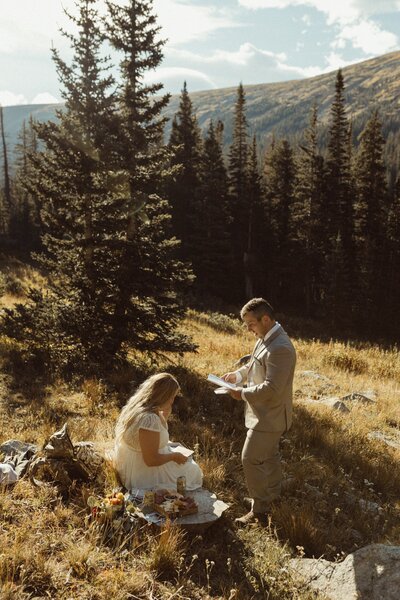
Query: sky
x,y
210,43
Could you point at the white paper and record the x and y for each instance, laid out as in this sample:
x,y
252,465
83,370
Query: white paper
x,y
176,447
221,382
222,390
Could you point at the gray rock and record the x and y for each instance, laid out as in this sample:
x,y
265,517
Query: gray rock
x,y
394,442
358,397
315,375
371,573
335,403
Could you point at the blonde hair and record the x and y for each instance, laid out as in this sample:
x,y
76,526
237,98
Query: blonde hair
x,y
153,392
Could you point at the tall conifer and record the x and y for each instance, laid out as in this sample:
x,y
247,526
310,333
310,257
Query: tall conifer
x,y
370,217
254,259
212,260
114,281
308,230
340,216
279,179
185,145
238,187
149,278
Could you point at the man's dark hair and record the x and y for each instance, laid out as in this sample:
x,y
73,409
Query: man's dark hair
x,y
259,307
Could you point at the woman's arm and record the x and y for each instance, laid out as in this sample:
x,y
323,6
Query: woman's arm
x,y
149,443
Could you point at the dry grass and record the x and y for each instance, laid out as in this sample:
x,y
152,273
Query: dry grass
x,y
47,550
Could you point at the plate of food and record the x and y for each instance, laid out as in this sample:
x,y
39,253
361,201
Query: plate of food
x,y
172,504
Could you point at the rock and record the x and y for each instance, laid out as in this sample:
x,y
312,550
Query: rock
x,y
358,397
370,506
386,439
313,490
334,403
371,573
315,375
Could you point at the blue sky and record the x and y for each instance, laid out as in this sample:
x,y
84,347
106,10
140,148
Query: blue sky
x,y
211,44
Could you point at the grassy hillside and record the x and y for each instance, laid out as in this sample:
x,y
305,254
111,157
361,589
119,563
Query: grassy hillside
x,y
330,463
281,108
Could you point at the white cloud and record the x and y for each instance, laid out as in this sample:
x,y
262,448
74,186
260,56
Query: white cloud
x,y
183,22
334,61
10,99
344,11
249,64
367,36
352,18
173,78
241,57
44,98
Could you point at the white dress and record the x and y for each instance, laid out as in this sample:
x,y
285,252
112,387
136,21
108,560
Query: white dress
x,y
134,472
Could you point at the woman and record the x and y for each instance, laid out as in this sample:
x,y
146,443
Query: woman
x,y
144,457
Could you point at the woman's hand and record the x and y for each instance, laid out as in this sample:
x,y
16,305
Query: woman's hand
x,y
179,458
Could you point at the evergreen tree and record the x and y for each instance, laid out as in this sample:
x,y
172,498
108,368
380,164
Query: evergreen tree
x,y
212,260
308,230
370,216
390,290
185,145
114,282
340,218
6,192
149,278
238,187
279,179
25,224
257,227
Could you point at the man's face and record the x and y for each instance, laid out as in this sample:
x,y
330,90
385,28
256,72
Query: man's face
x,y
260,326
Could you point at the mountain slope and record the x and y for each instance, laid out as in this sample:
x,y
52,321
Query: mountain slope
x,y
280,108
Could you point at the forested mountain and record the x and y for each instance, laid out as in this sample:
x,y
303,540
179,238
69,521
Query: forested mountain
x,y
283,108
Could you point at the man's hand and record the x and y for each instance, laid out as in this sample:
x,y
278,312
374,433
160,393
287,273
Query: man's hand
x,y
236,394
229,377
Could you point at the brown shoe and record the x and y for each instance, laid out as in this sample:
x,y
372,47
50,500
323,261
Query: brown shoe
x,y
251,517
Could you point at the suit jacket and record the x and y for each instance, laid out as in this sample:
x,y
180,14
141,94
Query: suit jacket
x,y
269,374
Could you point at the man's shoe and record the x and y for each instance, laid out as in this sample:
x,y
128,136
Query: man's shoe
x,y
251,517
248,502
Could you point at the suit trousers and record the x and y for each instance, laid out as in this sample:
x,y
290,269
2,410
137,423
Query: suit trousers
x,y
262,467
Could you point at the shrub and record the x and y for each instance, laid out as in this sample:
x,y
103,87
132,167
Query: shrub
x,y
218,321
346,360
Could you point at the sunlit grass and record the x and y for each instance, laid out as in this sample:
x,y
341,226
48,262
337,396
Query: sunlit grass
x,y
47,550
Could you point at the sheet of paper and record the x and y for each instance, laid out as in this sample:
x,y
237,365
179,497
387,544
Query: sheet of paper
x,y
176,447
221,390
220,382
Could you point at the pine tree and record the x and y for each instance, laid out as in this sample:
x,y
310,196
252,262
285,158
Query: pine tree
x,y
308,230
370,216
212,261
114,282
6,207
238,187
149,278
339,217
390,290
279,178
185,145
25,223
257,227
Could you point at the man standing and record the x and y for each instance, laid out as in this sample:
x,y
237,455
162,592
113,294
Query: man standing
x,y
268,405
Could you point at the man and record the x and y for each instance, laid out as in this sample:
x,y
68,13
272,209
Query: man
x,y
268,405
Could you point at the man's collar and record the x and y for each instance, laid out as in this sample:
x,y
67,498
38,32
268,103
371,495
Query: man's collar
x,y
271,331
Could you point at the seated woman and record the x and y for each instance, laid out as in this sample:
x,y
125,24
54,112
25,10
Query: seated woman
x,y
144,457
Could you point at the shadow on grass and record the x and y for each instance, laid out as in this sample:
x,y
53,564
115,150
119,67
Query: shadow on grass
x,y
344,491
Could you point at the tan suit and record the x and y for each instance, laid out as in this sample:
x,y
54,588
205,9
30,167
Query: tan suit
x,y
268,414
